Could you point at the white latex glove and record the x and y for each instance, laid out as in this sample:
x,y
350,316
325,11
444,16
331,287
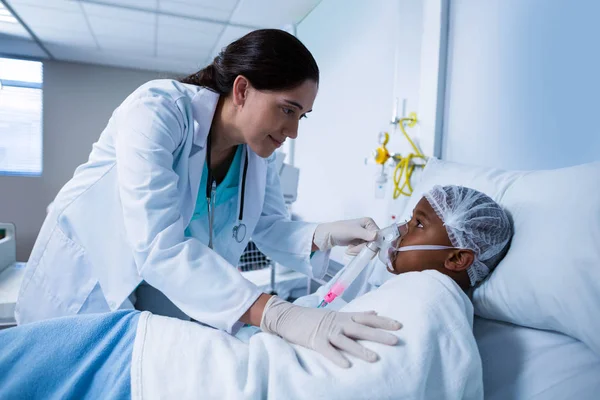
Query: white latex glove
x,y
351,233
328,332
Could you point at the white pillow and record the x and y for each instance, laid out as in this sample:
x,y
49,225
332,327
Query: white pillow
x,y
550,278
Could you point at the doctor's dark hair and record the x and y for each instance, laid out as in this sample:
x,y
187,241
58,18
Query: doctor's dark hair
x,y
271,59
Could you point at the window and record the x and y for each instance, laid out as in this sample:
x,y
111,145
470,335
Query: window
x,y
20,117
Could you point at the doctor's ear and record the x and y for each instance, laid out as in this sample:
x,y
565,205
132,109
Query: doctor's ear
x,y
459,260
239,91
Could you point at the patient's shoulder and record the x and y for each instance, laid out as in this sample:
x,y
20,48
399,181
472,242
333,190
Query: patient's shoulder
x,y
429,290
442,288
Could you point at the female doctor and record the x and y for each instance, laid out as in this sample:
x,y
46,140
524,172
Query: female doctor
x,y
180,179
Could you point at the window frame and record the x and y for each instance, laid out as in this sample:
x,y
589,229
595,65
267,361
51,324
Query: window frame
x,y
28,85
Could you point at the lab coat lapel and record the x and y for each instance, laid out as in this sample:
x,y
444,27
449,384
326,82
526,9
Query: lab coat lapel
x,y
256,182
204,104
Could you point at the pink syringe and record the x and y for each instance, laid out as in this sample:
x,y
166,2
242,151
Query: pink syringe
x,y
385,237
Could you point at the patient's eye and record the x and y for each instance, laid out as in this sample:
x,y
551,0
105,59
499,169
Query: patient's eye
x,y
419,224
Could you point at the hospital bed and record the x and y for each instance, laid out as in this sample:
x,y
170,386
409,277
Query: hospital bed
x,y
536,322
525,363
525,357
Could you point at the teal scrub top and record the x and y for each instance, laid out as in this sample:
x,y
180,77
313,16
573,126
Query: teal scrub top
x,y
227,189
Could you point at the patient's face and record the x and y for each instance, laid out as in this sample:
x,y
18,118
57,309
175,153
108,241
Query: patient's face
x,y
425,227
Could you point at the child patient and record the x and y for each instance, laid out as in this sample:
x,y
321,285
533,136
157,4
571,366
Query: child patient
x,y
455,230
472,233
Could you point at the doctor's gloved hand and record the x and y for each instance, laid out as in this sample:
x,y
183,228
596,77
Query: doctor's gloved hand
x,y
328,332
353,233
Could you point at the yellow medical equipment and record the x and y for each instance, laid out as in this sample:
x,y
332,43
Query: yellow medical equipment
x,y
405,166
381,154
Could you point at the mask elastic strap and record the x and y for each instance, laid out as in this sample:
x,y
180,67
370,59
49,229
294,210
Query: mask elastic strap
x,y
424,247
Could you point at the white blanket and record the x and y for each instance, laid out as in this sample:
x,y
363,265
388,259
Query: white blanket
x,y
437,357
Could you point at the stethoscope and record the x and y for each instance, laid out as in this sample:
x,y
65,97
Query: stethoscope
x,y
239,230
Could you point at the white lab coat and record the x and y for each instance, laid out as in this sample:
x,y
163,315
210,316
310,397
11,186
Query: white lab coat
x,y
121,219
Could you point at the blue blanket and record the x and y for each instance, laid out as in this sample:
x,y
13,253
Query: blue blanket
x,y
84,356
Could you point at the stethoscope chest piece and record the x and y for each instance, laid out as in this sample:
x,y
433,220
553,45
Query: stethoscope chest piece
x,y
239,232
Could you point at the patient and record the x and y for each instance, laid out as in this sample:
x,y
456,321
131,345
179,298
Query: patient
x,y
471,232
473,227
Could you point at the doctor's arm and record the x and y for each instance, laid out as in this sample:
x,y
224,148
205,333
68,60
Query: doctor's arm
x,y
194,277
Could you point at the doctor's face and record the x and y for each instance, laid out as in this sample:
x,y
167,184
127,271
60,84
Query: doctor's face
x,y
266,119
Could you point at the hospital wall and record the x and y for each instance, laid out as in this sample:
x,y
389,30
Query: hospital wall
x,y
523,83
78,100
354,42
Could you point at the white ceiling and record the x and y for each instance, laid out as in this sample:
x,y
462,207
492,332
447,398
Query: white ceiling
x,y
161,35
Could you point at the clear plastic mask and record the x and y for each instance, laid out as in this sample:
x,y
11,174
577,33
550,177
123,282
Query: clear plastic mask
x,y
390,244
388,240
